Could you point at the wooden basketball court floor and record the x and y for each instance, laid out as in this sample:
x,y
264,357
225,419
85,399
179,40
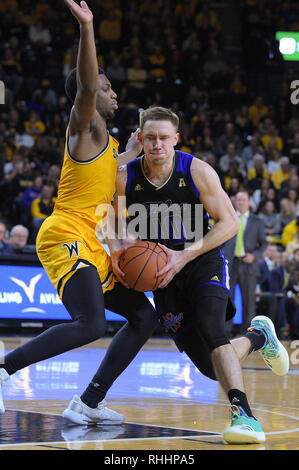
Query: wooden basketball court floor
x,y
168,404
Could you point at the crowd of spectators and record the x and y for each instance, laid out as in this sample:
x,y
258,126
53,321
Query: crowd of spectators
x,y
237,117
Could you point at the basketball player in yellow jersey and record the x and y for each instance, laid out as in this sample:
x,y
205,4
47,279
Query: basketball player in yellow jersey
x,y
75,261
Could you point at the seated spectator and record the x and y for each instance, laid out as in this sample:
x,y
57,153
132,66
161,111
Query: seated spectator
x,y
234,187
157,63
39,34
279,176
42,207
137,76
12,69
53,176
271,219
250,150
5,247
291,183
234,172
116,72
293,197
211,159
23,180
70,59
274,157
272,134
273,291
110,28
294,149
230,157
243,123
30,194
205,143
207,18
22,138
19,235
293,246
34,126
213,65
260,194
230,137
270,260
271,195
286,212
258,110
14,167
289,232
46,94
257,173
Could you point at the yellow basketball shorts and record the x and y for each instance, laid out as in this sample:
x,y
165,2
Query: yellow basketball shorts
x,y
63,250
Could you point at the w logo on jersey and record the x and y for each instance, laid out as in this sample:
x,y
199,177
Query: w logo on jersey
x,y
72,248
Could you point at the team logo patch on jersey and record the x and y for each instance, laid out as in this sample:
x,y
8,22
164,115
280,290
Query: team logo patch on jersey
x,y
73,248
182,183
115,154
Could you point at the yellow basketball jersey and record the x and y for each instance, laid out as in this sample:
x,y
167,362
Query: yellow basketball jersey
x,y
85,186
67,239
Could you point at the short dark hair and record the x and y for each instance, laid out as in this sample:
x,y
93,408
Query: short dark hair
x,y
71,83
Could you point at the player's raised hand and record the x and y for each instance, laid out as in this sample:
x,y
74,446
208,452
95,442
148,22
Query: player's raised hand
x,y
81,12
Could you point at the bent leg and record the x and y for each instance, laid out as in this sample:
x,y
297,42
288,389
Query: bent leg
x,y
83,298
142,321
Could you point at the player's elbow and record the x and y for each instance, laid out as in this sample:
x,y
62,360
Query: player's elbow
x,y
235,225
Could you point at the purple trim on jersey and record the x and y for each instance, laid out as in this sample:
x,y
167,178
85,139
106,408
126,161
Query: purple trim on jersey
x,y
132,172
184,165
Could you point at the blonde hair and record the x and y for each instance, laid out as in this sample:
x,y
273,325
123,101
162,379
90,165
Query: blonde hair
x,y
157,113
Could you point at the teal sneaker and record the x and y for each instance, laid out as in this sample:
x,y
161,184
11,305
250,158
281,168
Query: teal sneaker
x,y
273,352
244,429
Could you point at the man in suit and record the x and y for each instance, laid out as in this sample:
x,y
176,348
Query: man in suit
x,y
243,251
274,293
269,261
5,247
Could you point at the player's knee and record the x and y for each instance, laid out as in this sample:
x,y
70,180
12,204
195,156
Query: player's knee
x,y
92,330
218,342
214,337
145,320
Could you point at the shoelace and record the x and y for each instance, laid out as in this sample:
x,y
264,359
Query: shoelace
x,y
270,348
236,411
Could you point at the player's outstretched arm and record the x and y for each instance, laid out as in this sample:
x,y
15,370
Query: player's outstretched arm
x,y
87,69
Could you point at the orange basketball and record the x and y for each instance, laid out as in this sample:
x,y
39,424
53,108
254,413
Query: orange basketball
x,y
140,263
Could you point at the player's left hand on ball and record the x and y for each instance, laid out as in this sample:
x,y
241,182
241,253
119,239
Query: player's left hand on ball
x,y
175,262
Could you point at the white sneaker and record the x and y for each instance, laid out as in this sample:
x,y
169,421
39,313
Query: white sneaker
x,y
273,352
3,377
79,413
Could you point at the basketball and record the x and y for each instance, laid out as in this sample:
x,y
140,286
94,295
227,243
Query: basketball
x,y
140,263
